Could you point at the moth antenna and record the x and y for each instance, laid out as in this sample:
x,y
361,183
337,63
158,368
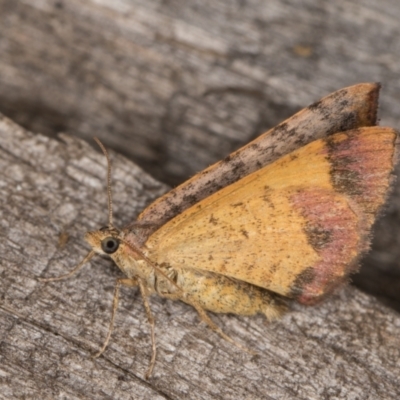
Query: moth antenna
x,y
109,193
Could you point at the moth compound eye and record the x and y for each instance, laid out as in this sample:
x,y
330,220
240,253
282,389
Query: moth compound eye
x,y
109,245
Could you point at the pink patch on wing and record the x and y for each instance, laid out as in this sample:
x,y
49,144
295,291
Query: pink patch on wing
x,y
361,165
334,231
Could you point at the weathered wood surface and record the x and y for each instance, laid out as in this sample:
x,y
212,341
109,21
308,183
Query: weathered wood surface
x,y
176,85
348,348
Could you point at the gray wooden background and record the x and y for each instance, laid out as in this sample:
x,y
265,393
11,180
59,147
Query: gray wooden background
x,y
175,86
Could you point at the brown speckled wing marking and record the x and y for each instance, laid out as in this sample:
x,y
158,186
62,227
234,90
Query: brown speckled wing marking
x,y
295,227
348,108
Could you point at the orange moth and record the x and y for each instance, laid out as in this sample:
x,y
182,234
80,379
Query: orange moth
x,y
285,217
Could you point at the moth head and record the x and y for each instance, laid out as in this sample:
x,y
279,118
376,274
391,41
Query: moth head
x,y
104,241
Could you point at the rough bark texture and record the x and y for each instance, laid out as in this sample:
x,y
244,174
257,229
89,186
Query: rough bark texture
x,y
176,85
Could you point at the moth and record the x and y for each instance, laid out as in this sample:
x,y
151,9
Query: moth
x,y
286,217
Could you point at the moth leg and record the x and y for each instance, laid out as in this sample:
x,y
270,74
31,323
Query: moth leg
x,y
129,282
70,273
150,318
204,317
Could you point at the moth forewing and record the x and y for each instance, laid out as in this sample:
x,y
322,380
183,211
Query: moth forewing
x,y
295,227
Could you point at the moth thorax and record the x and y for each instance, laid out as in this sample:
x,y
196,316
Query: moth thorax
x,y
138,268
